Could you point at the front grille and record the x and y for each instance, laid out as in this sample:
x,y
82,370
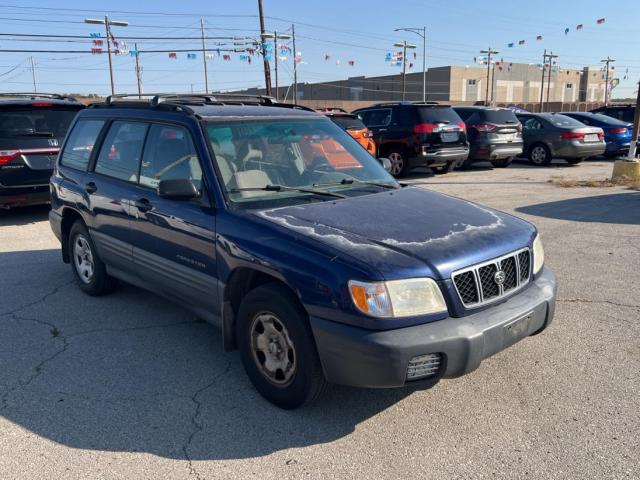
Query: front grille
x,y
489,281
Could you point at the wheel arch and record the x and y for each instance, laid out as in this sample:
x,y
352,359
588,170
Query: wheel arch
x,y
69,217
240,282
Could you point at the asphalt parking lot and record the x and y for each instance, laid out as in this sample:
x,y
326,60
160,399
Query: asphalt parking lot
x,y
130,386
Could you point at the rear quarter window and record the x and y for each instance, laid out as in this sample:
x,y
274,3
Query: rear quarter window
x,y
80,144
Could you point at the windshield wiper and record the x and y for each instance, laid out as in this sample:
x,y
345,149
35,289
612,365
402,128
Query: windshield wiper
x,y
32,134
284,188
351,181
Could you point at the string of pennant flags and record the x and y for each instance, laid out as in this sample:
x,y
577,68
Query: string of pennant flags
x,y
578,27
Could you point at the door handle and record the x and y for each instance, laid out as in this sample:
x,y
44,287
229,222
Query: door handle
x,y
143,205
90,187
382,129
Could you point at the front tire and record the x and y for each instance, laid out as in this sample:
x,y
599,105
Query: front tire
x,y
277,347
88,269
502,163
540,155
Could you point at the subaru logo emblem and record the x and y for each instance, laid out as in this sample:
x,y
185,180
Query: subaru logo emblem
x,y
499,277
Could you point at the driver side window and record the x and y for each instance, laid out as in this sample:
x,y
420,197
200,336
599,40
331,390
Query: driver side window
x,y
169,153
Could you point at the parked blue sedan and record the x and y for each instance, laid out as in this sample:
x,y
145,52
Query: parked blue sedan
x,y
617,133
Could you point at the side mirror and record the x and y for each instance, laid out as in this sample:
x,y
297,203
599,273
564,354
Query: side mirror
x,y
386,163
178,189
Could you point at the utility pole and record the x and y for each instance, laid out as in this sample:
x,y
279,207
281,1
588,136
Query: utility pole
x,y
138,71
607,61
295,66
33,75
404,46
490,52
550,56
107,26
544,62
423,34
204,57
636,129
267,71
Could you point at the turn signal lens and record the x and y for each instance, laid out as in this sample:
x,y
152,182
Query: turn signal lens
x,y
538,255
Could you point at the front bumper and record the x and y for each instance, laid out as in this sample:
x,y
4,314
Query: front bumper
x,y
379,359
495,151
440,156
24,196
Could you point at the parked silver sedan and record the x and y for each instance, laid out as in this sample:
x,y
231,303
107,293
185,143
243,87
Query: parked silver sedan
x,y
549,135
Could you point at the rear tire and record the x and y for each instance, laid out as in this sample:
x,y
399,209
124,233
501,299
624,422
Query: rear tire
x,y
277,347
399,164
88,269
502,163
574,161
539,154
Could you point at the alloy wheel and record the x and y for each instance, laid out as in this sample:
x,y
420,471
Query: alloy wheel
x,y
538,155
397,163
83,259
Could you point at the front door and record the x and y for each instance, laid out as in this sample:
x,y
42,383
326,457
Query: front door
x,y
174,240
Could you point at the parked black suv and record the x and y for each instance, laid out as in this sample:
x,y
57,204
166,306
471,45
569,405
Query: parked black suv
x,y
621,112
417,134
271,222
32,127
495,135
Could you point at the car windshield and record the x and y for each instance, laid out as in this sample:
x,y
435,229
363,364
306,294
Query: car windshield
x,y
46,122
290,161
563,121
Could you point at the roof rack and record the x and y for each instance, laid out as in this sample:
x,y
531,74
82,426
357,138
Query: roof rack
x,y
182,101
54,96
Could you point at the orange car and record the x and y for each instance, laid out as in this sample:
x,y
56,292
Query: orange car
x,y
353,126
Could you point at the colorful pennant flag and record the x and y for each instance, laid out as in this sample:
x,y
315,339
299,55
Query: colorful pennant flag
x,y
510,45
579,26
351,63
566,30
327,56
97,43
134,53
521,42
600,21
226,58
539,37
191,56
96,51
173,55
95,35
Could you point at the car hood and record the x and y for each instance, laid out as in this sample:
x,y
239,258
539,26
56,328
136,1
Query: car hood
x,y
408,232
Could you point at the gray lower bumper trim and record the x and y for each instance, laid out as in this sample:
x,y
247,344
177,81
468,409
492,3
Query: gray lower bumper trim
x,y
366,358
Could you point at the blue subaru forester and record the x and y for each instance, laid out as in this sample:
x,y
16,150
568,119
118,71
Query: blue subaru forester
x,y
272,223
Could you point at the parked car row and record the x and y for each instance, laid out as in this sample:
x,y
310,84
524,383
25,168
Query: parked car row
x,y
429,134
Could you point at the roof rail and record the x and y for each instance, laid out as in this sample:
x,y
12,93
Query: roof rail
x,y
54,96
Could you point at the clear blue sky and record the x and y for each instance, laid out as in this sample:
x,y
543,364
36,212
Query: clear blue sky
x,y
346,30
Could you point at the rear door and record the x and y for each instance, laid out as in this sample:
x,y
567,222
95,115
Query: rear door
x,y
30,139
110,191
174,240
532,130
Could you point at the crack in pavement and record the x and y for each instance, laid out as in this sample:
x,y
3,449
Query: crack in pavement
x,y
194,420
37,370
39,300
586,300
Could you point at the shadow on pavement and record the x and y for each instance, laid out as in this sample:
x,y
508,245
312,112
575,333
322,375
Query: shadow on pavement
x,y
24,215
132,372
619,208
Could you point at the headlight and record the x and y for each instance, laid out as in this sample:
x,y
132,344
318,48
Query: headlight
x,y
538,255
397,298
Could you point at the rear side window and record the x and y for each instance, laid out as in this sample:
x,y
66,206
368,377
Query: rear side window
x,y
80,144
169,154
121,150
499,117
347,122
376,118
36,121
438,114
